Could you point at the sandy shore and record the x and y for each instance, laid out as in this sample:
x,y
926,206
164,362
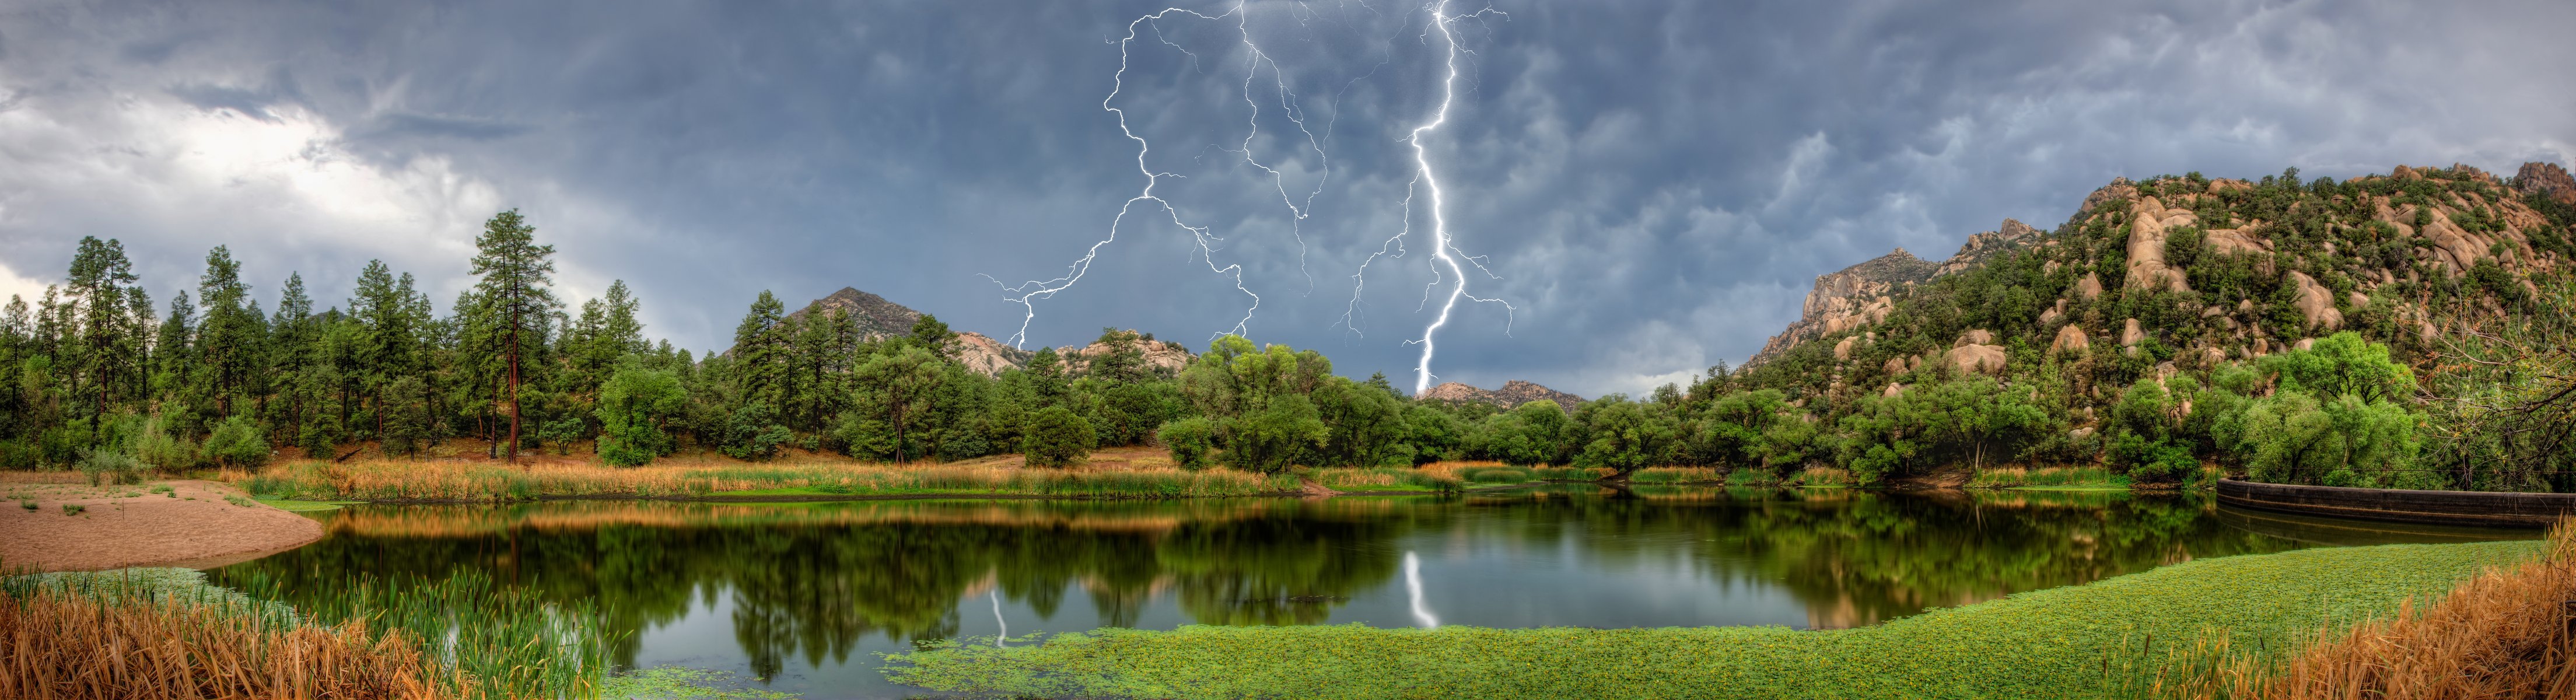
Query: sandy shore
x,y
191,524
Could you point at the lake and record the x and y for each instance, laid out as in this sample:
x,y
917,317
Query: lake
x,y
806,595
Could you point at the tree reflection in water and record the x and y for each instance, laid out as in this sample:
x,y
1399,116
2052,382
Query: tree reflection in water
x,y
813,580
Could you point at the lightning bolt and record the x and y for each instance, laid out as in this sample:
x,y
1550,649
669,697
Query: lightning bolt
x,y
1444,250
1447,261
1026,293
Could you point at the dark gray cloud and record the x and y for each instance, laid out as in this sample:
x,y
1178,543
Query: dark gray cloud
x,y
1652,185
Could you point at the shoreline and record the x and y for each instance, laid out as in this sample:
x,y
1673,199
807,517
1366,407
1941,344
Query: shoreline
x,y
183,523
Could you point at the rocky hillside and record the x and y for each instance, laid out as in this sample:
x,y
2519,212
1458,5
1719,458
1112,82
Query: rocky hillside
x,y
878,318
1863,294
1513,393
2148,278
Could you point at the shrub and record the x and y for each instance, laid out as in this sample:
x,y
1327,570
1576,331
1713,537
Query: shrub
x,y
236,444
1189,439
753,433
109,467
158,449
1057,437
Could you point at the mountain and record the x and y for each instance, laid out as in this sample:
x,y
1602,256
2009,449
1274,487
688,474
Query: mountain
x,y
1513,393
2185,272
878,318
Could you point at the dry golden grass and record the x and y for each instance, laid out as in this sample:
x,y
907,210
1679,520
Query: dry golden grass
x,y
70,646
1127,472
2507,633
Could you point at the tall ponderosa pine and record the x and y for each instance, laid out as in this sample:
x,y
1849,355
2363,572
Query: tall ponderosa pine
x,y
99,291
515,298
233,338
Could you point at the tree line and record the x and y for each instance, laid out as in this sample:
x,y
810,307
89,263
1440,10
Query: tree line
x,y
95,372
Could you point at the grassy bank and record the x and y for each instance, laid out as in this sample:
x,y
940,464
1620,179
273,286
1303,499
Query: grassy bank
x,y
398,481
2065,642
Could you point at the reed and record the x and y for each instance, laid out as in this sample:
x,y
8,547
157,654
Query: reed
x,y
1676,475
2047,477
1433,478
493,641
83,641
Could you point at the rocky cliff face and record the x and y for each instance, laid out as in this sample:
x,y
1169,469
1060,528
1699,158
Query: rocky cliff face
x,y
2546,179
1513,393
1863,294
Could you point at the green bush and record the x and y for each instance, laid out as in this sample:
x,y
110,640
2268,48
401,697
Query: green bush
x,y
110,467
1057,437
236,443
1189,439
158,449
753,433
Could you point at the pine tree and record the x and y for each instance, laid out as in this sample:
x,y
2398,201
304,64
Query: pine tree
x,y
515,295
760,352
98,291
229,339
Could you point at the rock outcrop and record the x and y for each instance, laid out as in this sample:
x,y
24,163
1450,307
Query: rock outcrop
x,y
1850,298
1163,356
2316,302
2149,222
1513,393
987,356
1978,358
2546,179
2070,339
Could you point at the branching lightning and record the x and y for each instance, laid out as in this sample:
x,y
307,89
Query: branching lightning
x,y
1255,61
1447,261
1444,251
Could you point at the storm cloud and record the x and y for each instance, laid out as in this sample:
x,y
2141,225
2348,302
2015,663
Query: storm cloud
x,y
1651,186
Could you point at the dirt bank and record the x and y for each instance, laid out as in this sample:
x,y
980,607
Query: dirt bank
x,y
189,524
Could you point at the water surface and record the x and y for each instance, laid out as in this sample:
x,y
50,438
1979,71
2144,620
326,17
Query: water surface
x,y
806,595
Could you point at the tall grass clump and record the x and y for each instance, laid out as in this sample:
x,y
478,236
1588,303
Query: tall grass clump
x,y
161,633
1675,475
1813,477
1571,473
2048,477
1387,479
2509,632
489,640
1494,475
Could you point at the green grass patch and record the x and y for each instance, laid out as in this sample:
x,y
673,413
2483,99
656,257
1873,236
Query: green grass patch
x,y
2070,642
295,506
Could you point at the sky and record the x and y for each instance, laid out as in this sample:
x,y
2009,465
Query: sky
x,y
1643,189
